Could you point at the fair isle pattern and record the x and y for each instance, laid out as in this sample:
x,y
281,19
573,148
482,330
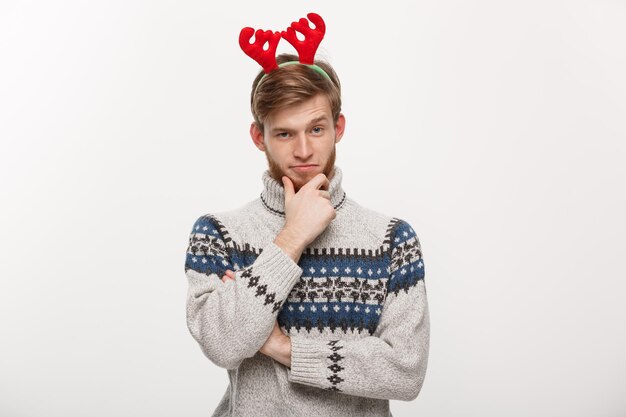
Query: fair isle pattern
x,y
406,269
261,289
207,253
209,230
341,289
335,367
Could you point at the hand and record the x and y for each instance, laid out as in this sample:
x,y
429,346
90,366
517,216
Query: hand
x,y
278,346
229,275
309,211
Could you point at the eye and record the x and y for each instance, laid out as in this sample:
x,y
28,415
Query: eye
x,y
283,134
318,129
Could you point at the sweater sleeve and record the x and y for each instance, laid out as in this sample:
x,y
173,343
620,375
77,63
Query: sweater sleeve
x,y
232,320
391,363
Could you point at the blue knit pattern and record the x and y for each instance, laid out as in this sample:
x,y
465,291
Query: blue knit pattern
x,y
342,289
407,265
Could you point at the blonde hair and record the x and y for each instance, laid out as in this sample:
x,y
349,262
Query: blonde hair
x,y
292,84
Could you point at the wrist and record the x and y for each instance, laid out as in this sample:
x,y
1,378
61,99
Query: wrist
x,y
288,241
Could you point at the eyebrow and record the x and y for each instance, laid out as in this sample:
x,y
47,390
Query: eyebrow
x,y
318,119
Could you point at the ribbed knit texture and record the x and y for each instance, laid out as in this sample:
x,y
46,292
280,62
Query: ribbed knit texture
x,y
354,306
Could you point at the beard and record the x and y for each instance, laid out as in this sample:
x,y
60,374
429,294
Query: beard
x,y
277,173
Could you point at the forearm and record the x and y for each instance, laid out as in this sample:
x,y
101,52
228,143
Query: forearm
x,y
390,364
236,313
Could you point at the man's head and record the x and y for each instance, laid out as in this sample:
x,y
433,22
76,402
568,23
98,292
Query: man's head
x,y
297,119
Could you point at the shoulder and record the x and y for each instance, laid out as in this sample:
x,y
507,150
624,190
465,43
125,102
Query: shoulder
x,y
209,224
402,232
374,221
396,230
219,224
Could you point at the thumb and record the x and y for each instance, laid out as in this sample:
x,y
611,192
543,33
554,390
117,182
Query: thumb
x,y
288,185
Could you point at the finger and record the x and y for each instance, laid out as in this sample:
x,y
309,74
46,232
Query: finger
x,y
325,194
288,185
318,181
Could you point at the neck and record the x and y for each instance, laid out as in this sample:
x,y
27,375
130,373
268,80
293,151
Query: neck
x,y
273,194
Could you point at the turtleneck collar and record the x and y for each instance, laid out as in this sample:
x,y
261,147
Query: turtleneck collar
x,y
273,194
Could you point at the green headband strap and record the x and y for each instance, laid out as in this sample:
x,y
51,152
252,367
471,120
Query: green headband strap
x,y
312,66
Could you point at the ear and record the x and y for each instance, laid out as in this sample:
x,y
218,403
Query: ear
x,y
257,136
340,127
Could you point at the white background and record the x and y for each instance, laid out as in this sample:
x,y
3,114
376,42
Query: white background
x,y
496,129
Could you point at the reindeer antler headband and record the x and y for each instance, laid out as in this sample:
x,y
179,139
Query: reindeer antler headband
x,y
306,48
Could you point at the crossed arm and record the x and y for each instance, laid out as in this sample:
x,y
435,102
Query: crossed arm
x,y
278,345
388,364
391,363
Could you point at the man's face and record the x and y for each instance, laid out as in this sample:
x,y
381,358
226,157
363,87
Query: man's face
x,y
299,141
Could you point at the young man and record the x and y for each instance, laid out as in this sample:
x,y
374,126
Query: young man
x,y
314,304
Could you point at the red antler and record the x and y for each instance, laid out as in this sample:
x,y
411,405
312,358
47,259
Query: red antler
x,y
312,37
267,59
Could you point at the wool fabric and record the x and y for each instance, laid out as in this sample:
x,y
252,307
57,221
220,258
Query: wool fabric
x,y
354,307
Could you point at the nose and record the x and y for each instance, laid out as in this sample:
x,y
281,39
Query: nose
x,y
302,148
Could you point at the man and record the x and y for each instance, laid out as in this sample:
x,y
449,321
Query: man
x,y
314,304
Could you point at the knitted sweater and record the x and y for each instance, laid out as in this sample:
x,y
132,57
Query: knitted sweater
x,y
354,306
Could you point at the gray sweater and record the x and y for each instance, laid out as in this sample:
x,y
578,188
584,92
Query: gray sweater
x,y
354,307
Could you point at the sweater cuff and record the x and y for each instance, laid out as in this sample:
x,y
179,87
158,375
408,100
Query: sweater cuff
x,y
284,271
308,362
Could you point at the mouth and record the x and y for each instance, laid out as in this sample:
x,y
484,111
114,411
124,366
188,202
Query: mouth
x,y
304,168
